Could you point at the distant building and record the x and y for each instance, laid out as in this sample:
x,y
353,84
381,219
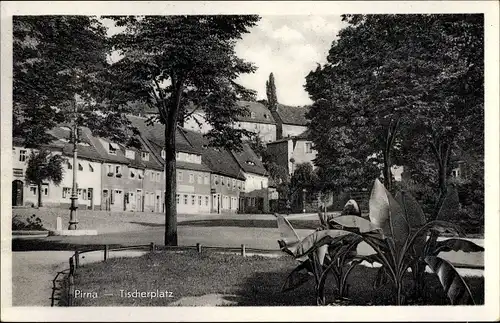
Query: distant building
x,y
255,197
258,120
291,151
290,121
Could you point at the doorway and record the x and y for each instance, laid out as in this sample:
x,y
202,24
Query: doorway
x,y
17,193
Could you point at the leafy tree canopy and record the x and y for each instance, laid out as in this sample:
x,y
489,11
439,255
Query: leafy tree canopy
x,y
394,84
58,60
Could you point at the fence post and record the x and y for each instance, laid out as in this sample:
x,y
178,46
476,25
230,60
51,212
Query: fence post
x,y
243,250
106,252
77,259
198,247
152,247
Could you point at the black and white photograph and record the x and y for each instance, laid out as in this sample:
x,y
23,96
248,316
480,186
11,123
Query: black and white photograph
x,y
290,160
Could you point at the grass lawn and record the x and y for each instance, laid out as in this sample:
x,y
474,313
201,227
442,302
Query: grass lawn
x,y
253,281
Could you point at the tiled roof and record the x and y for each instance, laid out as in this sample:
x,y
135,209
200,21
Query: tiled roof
x,y
261,113
88,150
292,115
249,161
220,160
156,133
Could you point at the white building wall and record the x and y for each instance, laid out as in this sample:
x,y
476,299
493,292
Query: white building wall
x,y
300,153
267,132
85,178
191,124
255,182
292,130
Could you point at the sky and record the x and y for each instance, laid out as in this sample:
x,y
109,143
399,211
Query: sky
x,y
289,47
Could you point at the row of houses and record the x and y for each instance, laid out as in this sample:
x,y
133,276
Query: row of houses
x,y
114,177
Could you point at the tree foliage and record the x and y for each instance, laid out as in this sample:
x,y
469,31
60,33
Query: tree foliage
x,y
56,61
43,166
272,97
403,87
172,62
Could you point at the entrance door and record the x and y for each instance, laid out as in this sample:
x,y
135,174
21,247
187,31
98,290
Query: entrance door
x,y
138,200
17,193
90,197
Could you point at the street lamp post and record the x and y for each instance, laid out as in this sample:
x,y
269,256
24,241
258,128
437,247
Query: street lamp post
x,y
73,221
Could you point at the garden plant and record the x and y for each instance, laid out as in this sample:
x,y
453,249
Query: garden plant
x,y
401,241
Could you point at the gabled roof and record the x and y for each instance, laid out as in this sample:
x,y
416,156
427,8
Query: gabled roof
x,y
249,161
219,160
261,113
156,133
292,115
87,150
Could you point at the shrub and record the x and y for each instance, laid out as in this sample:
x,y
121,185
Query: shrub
x,y
30,223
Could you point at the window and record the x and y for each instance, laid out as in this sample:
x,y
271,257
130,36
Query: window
x,y
163,153
158,176
66,193
45,190
179,176
152,176
177,199
130,154
80,167
251,163
222,180
132,173
110,169
234,183
455,172
205,180
112,148
118,169
206,200
216,179
200,179
22,155
185,199
113,197
91,169
228,183
33,190
308,147
192,199
191,178
145,155
199,200
252,115
140,174
69,165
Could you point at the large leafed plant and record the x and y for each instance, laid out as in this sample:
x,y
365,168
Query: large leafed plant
x,y
400,239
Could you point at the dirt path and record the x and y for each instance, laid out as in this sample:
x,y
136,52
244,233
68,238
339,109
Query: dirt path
x,y
32,275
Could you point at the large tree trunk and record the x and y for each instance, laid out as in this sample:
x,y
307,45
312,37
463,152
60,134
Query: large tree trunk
x,y
442,155
170,166
170,188
39,185
387,170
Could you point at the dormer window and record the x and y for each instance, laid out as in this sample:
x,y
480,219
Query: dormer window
x,y
252,115
145,156
265,116
130,154
113,148
163,153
